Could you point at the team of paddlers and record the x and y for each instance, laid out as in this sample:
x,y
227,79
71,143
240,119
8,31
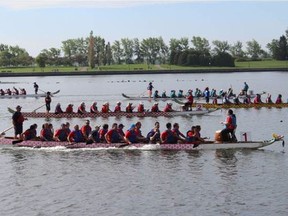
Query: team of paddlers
x,y
117,109
14,91
115,134
227,97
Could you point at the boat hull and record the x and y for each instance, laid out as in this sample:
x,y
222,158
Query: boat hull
x,y
115,114
27,95
140,146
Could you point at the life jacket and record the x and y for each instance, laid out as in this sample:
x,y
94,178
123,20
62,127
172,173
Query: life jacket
x,y
170,139
28,134
151,133
62,134
167,109
78,136
93,109
105,109
69,109
129,109
140,108
18,118
117,108
154,108
47,134
114,138
86,129
131,136
81,109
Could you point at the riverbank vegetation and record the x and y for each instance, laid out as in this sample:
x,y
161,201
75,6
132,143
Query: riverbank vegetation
x,y
94,53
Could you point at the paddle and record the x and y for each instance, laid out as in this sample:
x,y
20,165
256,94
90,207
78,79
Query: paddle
x,y
7,129
38,108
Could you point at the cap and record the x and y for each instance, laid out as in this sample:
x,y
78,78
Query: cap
x,y
132,126
141,103
18,107
118,102
156,103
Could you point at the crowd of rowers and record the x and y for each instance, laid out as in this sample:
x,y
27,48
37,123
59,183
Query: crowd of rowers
x,y
117,109
228,97
14,91
115,134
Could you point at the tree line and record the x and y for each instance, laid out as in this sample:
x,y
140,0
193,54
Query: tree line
x,y
94,51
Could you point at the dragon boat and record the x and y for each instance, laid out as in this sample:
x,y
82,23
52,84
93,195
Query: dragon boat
x,y
209,145
115,114
183,98
233,105
28,95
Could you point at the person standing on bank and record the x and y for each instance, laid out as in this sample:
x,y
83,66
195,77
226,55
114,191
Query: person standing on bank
x,y
48,102
18,120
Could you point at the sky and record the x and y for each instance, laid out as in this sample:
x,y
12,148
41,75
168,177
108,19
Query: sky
x,y
42,24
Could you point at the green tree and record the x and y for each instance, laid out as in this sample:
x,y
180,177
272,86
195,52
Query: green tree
x,y
117,51
128,50
41,60
237,50
254,50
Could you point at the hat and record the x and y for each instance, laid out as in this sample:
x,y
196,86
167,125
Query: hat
x,y
141,103
156,103
118,102
18,107
170,104
132,126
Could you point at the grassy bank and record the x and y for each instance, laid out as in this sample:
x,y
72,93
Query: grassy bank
x,y
144,67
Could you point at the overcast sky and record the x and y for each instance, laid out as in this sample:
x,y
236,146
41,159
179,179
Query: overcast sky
x,y
41,24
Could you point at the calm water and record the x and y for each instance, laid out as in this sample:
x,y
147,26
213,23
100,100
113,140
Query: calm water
x,y
123,182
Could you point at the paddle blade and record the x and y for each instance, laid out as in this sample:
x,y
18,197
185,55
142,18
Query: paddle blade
x,y
283,143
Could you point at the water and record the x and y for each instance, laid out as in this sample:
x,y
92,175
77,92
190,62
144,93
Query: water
x,y
100,182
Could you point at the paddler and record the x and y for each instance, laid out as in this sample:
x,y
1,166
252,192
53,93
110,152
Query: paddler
x,y
140,108
61,134
82,108
105,108
75,135
155,107
69,108
168,108
279,99
58,109
117,107
86,130
94,108
129,108
113,136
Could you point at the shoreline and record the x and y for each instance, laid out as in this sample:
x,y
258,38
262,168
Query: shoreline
x,y
88,73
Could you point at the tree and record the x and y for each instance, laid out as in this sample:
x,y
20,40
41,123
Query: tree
x,y
128,50
137,51
117,51
108,54
254,49
91,51
201,45
220,46
237,50
41,60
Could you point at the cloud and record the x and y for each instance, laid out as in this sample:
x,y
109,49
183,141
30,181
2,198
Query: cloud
x,y
34,4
